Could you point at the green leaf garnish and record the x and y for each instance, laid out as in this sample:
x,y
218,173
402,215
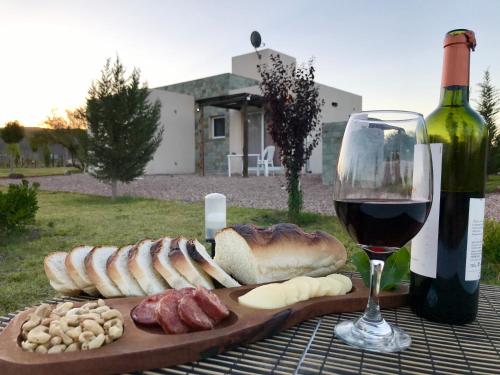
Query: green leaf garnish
x,y
396,268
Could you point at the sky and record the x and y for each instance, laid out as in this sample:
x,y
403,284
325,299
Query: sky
x,y
389,52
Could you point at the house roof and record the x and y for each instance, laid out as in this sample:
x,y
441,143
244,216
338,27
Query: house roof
x,y
233,101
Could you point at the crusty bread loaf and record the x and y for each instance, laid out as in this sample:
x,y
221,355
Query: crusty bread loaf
x,y
199,254
59,278
256,255
161,263
140,264
95,265
76,269
118,271
180,259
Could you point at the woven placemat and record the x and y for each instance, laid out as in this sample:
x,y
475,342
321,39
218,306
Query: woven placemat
x,y
311,348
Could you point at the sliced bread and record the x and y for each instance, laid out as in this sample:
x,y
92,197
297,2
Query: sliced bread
x,y
58,277
95,265
180,259
118,271
76,269
162,264
140,264
199,254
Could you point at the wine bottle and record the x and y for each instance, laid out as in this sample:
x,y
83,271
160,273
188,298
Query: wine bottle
x,y
446,253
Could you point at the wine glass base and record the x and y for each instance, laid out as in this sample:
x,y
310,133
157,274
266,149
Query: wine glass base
x,y
395,340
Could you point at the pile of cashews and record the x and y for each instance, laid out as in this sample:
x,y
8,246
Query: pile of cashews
x,y
65,328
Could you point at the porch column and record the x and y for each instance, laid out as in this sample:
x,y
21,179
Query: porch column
x,y
245,138
201,126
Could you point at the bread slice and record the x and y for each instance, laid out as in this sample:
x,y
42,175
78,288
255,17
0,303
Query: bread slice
x,y
76,269
199,254
58,276
95,265
140,264
180,259
161,263
255,255
117,268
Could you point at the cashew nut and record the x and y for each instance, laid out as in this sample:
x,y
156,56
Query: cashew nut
x,y
111,323
108,340
73,347
100,310
29,346
116,332
100,302
46,321
92,326
75,332
94,343
86,336
39,335
57,349
56,340
89,305
91,316
43,310
72,320
56,330
76,311
32,323
113,313
63,308
41,349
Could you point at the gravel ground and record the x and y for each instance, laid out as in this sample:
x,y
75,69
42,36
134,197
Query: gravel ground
x,y
255,192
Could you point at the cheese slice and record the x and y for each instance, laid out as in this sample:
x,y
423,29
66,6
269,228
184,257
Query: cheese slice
x,y
346,282
268,296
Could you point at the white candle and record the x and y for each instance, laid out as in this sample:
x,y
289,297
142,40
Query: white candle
x,y
215,214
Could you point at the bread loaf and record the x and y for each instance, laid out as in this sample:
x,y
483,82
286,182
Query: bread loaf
x,y
256,255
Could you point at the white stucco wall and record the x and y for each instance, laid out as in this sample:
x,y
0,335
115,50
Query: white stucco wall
x,y
176,153
246,65
346,104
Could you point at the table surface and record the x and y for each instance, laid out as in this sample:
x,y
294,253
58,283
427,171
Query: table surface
x,y
311,348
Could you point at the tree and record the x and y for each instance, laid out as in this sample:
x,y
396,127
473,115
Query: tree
x,y
293,110
124,127
488,106
70,132
12,134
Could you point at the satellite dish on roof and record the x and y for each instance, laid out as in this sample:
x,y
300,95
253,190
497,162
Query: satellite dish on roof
x,y
255,39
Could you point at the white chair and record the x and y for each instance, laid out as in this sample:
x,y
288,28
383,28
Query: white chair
x,y
266,161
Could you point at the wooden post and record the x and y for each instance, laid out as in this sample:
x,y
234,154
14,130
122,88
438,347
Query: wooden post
x,y
245,139
201,125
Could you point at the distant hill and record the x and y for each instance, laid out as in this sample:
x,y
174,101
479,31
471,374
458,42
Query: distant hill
x,y
58,151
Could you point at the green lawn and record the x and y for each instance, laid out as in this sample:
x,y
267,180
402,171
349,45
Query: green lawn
x,y
493,184
65,220
34,172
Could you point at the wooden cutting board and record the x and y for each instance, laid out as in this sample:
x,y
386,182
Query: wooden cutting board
x,y
147,348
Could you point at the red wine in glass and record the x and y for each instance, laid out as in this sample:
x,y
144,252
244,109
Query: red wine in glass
x,y
382,226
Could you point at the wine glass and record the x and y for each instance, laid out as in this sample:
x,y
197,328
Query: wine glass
x,y
382,196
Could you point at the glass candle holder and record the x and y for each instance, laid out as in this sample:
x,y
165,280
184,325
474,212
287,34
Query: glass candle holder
x,y
215,214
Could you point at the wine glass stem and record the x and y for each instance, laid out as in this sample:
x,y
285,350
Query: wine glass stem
x,y
372,311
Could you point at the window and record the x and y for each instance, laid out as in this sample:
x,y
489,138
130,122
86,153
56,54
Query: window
x,y
218,127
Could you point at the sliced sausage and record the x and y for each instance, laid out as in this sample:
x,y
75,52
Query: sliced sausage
x,y
144,312
192,314
167,314
211,304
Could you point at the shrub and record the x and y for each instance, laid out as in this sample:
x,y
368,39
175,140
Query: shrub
x,y
18,206
491,252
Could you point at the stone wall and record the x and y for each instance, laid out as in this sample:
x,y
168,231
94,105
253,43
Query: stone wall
x,y
216,150
332,133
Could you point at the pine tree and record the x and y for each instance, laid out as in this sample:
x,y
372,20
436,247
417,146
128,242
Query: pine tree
x,y
12,134
488,106
124,127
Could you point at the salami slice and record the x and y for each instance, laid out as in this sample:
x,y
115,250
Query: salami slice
x,y
192,314
167,314
211,304
144,312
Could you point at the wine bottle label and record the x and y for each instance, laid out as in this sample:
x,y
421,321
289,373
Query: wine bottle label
x,y
474,239
424,246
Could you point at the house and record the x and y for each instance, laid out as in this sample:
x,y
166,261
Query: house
x,y
203,120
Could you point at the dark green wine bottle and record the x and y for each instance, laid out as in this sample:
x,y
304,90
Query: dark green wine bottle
x,y
446,254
